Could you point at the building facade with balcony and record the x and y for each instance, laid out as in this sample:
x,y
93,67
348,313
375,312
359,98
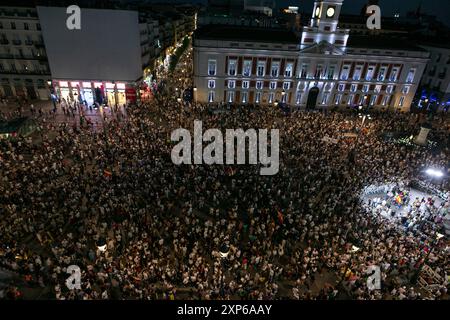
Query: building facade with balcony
x,y
24,65
436,78
325,68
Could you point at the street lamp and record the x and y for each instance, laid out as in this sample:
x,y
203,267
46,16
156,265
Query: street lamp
x,y
179,100
224,250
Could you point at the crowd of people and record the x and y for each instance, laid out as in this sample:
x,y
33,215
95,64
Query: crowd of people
x,y
288,236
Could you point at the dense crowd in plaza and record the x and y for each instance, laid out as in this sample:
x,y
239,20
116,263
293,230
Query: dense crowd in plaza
x,y
163,224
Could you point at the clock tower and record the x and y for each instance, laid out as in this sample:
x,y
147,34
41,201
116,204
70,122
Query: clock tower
x,y
324,25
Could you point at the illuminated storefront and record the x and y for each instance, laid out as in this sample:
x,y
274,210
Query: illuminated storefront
x,y
88,93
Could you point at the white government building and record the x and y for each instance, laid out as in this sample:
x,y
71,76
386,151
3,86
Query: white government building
x,y
326,68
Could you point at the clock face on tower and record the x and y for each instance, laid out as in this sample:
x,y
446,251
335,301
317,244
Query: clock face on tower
x,y
330,12
317,11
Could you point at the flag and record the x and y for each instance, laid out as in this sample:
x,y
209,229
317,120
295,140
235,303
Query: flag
x,y
107,173
280,217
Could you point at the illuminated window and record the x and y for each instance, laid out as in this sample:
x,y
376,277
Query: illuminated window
x,y
212,67
298,98
232,67
259,85
231,84
273,85
258,97
230,96
247,69
211,96
411,75
369,74
261,68
382,74
288,70
357,73
244,97
274,70
337,99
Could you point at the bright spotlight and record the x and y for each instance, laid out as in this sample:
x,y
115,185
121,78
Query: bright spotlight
x,y
434,173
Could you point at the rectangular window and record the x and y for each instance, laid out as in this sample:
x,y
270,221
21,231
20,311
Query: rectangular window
x,y
394,74
405,90
273,85
211,96
304,71
373,99
211,67
331,72
247,69
319,72
25,26
411,75
275,69
361,100
271,97
353,87
259,85
365,88
230,96
344,72
341,87
402,100
13,67
350,99
284,98
377,88
357,73
261,69
385,100
286,85
325,98
258,97
298,98
389,89
244,97
337,99
211,84
369,74
382,74
231,84
245,84
288,70
13,25
232,67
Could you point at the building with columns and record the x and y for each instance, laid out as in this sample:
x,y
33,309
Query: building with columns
x,y
325,68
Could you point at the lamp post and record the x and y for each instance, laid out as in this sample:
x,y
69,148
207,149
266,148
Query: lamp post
x,y
223,253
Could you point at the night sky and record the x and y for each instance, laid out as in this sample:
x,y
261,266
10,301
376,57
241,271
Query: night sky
x,y
440,8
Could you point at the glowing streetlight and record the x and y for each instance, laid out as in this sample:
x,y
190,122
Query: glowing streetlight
x,y
179,100
434,173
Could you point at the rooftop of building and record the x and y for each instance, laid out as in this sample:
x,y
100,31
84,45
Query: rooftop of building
x,y
382,42
250,34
